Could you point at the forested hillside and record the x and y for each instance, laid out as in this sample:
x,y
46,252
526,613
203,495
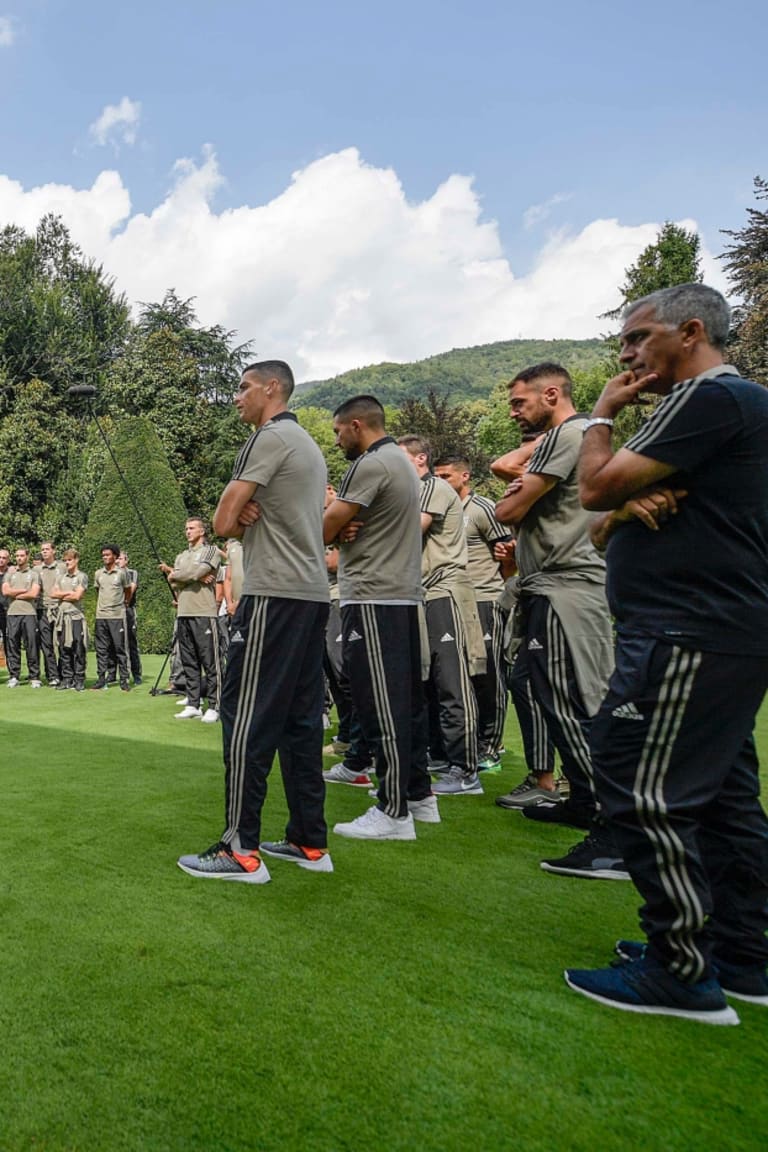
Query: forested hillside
x,y
461,375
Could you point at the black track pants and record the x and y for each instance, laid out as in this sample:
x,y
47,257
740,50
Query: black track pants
x,y
676,774
272,701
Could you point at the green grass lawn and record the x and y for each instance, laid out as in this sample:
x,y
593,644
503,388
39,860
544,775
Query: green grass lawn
x,y
412,1000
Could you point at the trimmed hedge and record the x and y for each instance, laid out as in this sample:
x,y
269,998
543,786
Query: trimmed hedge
x,y
113,520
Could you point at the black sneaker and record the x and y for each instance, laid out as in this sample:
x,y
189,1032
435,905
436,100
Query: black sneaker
x,y
125,687
64,686
99,686
596,858
557,811
313,859
645,986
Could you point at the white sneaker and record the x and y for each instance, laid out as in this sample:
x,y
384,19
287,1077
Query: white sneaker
x,y
425,811
340,774
188,713
376,825
13,682
35,684
210,716
182,702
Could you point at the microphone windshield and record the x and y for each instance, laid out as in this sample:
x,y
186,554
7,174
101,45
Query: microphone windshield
x,y
87,390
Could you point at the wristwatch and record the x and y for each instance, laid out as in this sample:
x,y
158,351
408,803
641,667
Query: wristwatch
x,y
593,420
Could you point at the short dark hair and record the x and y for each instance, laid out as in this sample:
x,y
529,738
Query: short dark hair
x,y
276,368
198,520
415,445
684,302
540,372
454,460
365,408
111,548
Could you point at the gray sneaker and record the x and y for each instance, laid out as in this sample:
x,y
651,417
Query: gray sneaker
x,y
457,782
528,793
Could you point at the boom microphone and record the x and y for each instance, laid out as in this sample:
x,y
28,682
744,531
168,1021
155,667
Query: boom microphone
x,y
86,390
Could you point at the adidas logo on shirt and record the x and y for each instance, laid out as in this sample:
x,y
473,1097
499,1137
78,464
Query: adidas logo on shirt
x,y
338,638
487,636
534,646
627,712
354,635
237,638
444,639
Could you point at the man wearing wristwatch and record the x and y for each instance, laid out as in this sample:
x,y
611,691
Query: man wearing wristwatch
x,y
685,504
564,623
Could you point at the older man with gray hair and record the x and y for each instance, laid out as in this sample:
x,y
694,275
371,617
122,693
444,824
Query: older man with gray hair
x,y
686,530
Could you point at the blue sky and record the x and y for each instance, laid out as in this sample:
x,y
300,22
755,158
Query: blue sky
x,y
561,137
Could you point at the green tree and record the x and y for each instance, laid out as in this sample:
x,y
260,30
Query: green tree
x,y
34,444
61,320
182,377
113,520
449,428
746,262
673,258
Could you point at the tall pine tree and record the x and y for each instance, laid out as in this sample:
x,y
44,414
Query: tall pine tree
x,y
746,262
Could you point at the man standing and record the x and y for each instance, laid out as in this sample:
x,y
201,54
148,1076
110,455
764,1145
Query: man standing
x,y
134,657
380,593
21,588
193,580
456,646
50,569
483,533
70,626
112,585
674,757
5,560
272,698
564,623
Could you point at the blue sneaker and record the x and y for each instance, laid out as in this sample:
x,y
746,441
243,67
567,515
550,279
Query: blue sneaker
x,y
644,986
630,949
747,982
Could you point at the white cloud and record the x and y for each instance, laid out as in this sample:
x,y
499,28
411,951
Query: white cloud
x,y
340,269
539,212
7,32
117,124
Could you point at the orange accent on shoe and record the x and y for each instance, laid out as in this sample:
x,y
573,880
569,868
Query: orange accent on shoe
x,y
313,853
248,861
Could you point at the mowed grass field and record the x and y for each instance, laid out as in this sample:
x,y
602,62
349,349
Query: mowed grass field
x,y
412,1000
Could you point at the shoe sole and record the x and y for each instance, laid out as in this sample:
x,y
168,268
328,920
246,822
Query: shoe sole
x,y
260,876
350,783
719,1016
465,792
747,999
597,874
323,864
389,836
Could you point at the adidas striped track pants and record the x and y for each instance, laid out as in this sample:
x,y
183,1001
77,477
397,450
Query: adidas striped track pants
x,y
676,774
